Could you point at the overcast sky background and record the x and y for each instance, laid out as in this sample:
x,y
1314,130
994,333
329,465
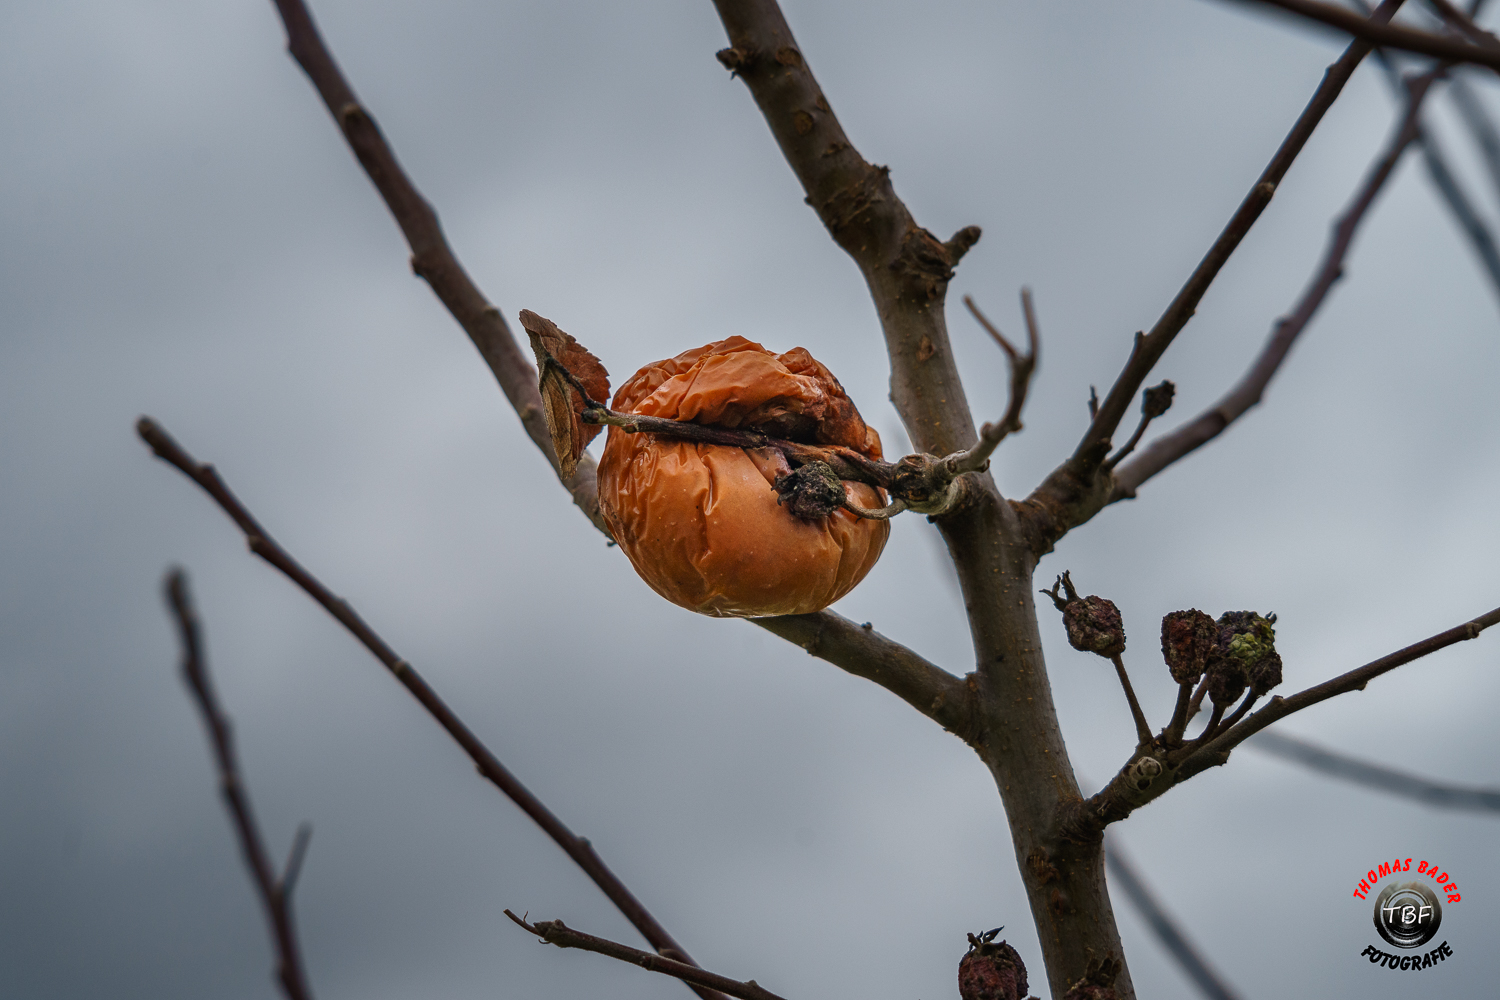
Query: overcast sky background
x,y
186,235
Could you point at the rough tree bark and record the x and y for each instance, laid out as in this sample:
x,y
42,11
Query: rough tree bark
x,y
907,270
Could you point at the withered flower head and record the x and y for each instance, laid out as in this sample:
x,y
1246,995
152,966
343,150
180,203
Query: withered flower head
x,y
1093,623
1187,639
991,970
1244,654
1094,626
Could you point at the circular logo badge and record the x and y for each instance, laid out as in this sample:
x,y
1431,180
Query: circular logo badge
x,y
1407,915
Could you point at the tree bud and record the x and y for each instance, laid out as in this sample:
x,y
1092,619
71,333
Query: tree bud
x,y
1157,400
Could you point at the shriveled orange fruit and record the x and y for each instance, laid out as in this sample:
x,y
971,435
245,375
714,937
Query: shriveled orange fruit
x,y
701,523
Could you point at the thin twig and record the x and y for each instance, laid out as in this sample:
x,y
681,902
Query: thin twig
x,y
1384,779
1155,401
977,458
1124,872
275,893
263,545
555,932
1142,727
1392,36
1149,349
294,858
1172,735
1209,424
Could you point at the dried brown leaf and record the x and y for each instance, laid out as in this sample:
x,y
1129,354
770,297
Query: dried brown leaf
x,y
557,356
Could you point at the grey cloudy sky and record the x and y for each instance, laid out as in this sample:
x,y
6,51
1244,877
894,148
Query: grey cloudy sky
x,y
186,235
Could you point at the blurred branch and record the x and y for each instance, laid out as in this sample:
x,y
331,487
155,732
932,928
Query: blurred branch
x,y
1136,785
1442,176
433,259
977,458
1464,23
1443,47
1124,872
1383,779
1212,422
1479,122
275,893
489,765
555,932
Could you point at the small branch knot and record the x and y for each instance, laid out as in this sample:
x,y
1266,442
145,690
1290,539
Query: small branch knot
x,y
733,60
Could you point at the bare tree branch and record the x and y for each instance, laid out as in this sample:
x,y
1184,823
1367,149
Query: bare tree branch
x,y
907,270
432,258
1152,771
1442,176
947,700
906,267
1149,349
557,933
1392,36
1078,489
263,545
1212,422
275,893
1383,779
1464,23
1124,872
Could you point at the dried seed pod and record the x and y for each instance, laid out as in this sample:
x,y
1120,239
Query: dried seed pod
x,y
1093,623
1094,626
1187,640
991,970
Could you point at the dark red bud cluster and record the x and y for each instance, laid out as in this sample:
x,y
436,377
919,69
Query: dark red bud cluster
x,y
1244,655
1187,639
991,970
